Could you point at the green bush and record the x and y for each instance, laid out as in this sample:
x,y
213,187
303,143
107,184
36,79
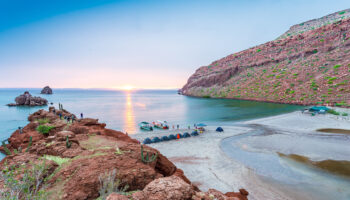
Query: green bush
x,y
110,184
43,129
344,114
336,66
43,121
56,159
30,185
333,112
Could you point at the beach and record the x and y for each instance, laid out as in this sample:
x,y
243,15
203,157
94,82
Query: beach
x,y
204,161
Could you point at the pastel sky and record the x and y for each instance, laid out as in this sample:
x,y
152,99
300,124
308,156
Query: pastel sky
x,y
145,44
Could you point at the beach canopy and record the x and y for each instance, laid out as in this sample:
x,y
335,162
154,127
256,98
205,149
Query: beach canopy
x,y
164,138
172,137
201,125
156,139
318,108
147,141
194,133
219,129
186,135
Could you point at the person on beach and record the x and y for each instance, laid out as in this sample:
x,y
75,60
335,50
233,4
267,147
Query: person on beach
x,y
81,115
20,130
189,127
73,118
178,126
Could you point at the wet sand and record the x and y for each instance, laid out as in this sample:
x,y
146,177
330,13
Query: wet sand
x,y
334,130
205,164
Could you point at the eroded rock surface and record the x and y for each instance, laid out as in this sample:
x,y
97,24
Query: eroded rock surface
x,y
75,170
27,99
305,68
46,90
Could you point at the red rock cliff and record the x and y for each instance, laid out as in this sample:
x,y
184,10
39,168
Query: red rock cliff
x,y
311,67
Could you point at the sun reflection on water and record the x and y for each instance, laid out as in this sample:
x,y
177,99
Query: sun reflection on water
x,y
129,118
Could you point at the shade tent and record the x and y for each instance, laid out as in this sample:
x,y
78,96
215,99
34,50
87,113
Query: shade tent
x,y
201,125
219,129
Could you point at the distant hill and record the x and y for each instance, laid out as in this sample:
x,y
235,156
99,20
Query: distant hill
x,y
309,64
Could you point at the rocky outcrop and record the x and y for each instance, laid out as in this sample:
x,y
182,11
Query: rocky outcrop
x,y
46,90
27,99
310,67
316,23
80,153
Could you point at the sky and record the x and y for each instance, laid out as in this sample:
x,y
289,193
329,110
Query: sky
x,y
152,44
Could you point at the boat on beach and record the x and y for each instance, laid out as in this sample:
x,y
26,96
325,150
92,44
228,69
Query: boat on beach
x,y
146,126
160,124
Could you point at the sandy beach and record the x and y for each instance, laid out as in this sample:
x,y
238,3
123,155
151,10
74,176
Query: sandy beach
x,y
204,162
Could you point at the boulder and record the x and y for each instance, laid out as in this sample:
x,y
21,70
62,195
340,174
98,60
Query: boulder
x,y
46,90
171,187
27,99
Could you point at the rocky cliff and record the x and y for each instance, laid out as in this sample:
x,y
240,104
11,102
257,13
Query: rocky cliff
x,y
52,158
26,99
305,67
46,90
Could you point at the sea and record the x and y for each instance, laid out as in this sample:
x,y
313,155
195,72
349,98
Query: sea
x,y
124,110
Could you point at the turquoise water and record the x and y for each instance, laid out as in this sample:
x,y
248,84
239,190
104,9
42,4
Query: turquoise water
x,y
123,110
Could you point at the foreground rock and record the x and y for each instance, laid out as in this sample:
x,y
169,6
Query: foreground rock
x,y
308,65
82,155
46,90
27,99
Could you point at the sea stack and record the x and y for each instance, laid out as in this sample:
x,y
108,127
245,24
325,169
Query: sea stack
x,y
46,90
27,99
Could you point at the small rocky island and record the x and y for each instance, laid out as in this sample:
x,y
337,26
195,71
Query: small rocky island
x,y
27,99
46,90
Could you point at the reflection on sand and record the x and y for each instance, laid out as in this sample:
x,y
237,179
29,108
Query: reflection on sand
x,y
129,119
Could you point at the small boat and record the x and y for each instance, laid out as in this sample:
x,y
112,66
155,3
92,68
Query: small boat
x,y
161,124
146,126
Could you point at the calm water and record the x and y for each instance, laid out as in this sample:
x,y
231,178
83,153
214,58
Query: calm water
x,y
124,110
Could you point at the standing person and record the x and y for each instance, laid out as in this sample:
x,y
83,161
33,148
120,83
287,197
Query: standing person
x,y
81,115
73,118
178,126
189,127
173,127
60,115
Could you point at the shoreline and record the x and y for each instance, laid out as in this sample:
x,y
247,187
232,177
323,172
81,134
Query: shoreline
x,y
267,101
206,164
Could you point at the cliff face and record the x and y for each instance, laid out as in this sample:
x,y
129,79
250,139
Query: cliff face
x,y
83,160
312,67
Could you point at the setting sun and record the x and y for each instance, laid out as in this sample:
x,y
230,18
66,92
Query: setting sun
x,y
127,87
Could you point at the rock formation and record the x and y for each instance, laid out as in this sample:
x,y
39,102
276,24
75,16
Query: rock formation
x,y
304,67
46,90
79,154
27,99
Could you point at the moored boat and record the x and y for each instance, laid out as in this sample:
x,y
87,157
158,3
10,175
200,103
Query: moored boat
x,y
160,124
146,126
